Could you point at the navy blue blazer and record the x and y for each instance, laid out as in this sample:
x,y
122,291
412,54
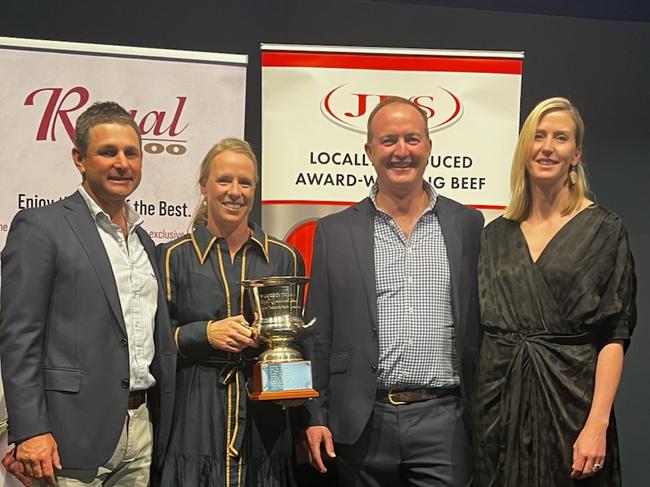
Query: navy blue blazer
x,y
63,341
343,345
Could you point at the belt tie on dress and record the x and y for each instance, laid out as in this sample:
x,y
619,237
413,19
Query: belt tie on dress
x,y
232,377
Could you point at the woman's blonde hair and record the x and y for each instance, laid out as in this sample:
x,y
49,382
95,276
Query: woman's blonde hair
x,y
520,198
232,144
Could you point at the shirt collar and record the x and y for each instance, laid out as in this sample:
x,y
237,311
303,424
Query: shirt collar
x,y
203,240
431,193
133,219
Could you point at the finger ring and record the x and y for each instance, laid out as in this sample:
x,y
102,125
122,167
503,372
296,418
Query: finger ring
x,y
596,467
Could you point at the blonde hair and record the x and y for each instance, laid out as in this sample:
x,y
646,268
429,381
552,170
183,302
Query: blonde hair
x,y
520,198
232,144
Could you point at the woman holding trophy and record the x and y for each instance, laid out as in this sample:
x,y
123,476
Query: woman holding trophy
x,y
219,436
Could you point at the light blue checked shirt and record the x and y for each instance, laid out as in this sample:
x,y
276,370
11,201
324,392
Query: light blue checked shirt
x,y
415,318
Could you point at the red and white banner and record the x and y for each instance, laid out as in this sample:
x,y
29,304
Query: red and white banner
x,y
183,101
315,104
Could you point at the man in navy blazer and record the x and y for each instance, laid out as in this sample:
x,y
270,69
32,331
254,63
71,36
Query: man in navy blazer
x,y
88,360
394,290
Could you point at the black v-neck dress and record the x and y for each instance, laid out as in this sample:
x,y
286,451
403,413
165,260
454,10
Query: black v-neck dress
x,y
544,323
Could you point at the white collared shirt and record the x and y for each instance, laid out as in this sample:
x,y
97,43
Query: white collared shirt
x,y
137,288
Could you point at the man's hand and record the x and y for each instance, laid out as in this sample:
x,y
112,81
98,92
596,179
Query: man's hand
x,y
231,334
39,457
315,438
15,468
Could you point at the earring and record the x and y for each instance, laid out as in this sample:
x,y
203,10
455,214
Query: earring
x,y
573,176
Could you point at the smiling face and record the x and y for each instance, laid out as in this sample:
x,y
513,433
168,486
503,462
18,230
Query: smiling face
x,y
229,190
112,166
554,149
399,149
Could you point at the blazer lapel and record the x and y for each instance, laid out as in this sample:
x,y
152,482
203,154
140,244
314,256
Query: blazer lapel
x,y
362,231
452,235
85,229
149,248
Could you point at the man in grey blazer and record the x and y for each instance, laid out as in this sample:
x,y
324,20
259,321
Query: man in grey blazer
x,y
88,360
394,289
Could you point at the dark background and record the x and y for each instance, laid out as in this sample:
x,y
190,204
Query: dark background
x,y
594,52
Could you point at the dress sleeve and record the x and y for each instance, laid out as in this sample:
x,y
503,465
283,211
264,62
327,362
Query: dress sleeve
x,y
618,301
191,338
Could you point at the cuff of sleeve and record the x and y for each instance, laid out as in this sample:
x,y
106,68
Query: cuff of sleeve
x,y
316,415
18,437
192,340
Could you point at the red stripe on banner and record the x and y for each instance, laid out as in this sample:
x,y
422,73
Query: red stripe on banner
x,y
308,202
284,59
350,203
487,207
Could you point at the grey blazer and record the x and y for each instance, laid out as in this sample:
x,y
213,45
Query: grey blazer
x,y
63,342
342,296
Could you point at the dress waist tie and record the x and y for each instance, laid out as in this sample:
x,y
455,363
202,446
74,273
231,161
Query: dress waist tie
x,y
520,377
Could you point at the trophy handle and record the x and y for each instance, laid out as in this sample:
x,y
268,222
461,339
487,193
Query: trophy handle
x,y
310,324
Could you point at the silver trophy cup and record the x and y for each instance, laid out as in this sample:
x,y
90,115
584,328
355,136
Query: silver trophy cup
x,y
281,372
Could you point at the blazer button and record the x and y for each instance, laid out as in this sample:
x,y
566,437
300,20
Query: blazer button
x,y
124,342
125,383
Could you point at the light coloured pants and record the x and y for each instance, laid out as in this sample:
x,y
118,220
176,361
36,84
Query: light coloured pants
x,y
131,460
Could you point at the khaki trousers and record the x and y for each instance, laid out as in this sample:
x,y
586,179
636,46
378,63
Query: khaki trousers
x,y
131,460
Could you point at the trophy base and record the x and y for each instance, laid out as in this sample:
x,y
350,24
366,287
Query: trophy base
x,y
282,380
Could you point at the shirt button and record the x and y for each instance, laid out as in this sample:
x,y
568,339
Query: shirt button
x,y
124,342
373,368
409,279
125,383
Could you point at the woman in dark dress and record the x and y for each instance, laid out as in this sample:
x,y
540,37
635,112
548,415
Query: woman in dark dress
x,y
557,292
219,437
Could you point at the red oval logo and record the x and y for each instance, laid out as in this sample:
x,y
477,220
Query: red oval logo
x,y
349,108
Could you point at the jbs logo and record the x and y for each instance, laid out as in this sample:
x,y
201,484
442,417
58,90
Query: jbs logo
x,y
349,108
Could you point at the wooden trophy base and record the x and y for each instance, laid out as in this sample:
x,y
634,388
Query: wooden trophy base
x,y
282,395
280,381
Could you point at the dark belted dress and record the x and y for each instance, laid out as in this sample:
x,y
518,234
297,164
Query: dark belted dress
x,y
219,438
545,323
